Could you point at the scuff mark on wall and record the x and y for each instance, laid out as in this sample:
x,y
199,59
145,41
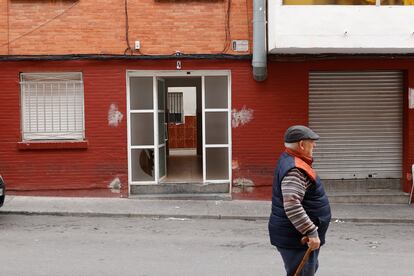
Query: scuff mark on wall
x,y
242,117
242,185
115,185
114,116
235,164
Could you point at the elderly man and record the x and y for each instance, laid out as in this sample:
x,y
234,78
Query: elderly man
x,y
300,207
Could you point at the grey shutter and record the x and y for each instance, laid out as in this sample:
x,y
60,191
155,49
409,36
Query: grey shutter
x,y
359,118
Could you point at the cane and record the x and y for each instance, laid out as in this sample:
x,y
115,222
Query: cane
x,y
305,258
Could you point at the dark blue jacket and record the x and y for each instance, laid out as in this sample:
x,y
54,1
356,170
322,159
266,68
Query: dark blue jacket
x,y
315,202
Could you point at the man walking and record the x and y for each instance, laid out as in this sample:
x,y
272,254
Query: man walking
x,y
300,206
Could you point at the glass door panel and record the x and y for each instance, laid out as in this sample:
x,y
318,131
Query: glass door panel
x,y
141,93
216,95
141,119
216,117
142,161
161,147
217,129
142,129
217,163
161,127
162,162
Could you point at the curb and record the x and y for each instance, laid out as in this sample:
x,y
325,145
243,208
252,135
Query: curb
x,y
131,215
186,216
372,220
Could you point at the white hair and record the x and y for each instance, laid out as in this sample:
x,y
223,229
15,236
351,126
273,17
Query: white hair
x,y
292,145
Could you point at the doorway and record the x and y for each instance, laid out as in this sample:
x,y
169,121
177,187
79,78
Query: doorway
x,y
179,127
184,128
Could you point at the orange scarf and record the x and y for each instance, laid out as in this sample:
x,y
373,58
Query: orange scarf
x,y
303,162
295,153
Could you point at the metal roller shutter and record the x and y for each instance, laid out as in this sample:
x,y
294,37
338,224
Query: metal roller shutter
x,y
359,118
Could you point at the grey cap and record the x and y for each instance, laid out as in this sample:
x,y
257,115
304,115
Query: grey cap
x,y
296,133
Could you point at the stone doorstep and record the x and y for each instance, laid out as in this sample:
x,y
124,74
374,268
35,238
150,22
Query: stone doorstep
x,y
181,188
193,196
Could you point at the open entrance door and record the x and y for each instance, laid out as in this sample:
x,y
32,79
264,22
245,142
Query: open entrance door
x,y
147,136
150,144
141,128
162,145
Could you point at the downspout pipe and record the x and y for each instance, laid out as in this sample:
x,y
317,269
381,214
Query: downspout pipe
x,y
259,61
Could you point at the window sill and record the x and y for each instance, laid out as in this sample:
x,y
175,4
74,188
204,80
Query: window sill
x,y
39,145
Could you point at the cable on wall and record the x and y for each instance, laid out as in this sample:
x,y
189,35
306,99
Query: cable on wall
x,y
123,57
227,27
248,20
41,25
8,27
128,48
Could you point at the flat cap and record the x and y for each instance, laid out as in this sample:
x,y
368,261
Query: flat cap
x,y
296,133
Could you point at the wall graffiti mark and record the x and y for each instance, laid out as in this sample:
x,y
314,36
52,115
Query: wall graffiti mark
x,y
115,185
114,116
235,164
241,117
242,184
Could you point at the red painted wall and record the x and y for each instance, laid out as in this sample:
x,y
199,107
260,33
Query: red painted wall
x,y
277,103
80,172
281,101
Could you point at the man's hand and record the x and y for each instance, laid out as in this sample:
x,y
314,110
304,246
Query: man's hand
x,y
314,243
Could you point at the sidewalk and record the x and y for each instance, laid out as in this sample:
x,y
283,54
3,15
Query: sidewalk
x,y
210,209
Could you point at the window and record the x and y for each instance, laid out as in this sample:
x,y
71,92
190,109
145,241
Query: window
x,y
52,106
175,107
349,2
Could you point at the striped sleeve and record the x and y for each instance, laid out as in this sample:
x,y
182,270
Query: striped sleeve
x,y
294,186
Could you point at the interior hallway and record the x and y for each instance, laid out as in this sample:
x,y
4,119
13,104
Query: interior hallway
x,y
183,165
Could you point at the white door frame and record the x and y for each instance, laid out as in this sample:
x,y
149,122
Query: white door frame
x,y
172,73
159,145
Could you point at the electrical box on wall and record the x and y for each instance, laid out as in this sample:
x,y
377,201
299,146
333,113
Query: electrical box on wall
x,y
240,45
137,45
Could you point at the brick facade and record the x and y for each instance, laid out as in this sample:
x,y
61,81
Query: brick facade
x,y
98,27
90,169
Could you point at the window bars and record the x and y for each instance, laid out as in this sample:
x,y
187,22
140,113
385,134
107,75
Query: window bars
x,y
175,106
52,106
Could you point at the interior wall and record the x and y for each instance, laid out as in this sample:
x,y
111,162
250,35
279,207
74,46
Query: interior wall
x,y
191,82
189,99
184,134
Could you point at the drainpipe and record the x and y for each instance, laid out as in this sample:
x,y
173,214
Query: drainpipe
x,y
259,62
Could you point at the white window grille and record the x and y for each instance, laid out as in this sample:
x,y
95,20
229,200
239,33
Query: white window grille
x,y
52,106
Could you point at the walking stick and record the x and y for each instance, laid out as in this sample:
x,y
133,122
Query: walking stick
x,y
305,258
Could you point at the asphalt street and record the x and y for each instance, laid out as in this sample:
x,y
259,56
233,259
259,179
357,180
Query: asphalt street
x,y
65,245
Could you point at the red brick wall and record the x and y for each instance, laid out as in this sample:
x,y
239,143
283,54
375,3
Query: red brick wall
x,y
282,100
70,171
277,103
98,27
183,135
3,27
